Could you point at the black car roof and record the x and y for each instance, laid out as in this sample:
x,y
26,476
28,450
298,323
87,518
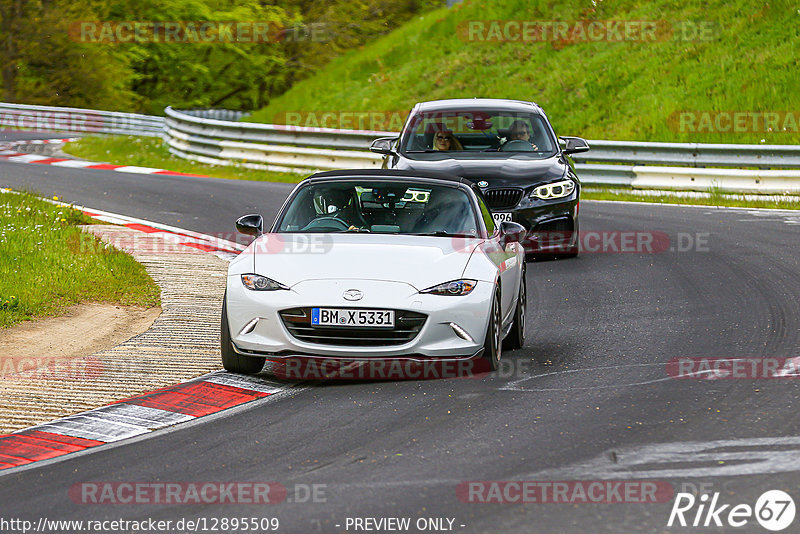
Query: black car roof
x,y
463,104
427,176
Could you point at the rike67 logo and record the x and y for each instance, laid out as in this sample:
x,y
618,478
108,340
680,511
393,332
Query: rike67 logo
x,y
774,510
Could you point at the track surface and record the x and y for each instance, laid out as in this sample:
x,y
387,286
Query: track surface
x,y
580,401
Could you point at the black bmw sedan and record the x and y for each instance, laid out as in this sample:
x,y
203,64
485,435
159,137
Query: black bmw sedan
x,y
509,149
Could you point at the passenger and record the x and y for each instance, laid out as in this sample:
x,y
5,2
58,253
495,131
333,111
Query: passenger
x,y
520,131
446,141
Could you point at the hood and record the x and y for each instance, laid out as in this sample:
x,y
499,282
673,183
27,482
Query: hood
x,y
498,169
420,261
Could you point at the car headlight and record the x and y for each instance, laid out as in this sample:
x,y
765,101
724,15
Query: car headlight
x,y
456,287
256,282
561,189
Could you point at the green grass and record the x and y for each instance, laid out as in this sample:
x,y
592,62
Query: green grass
x,y
714,199
48,264
596,90
153,152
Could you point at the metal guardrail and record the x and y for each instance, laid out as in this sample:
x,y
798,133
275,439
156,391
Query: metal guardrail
x,y
268,146
218,114
78,121
214,136
608,163
692,154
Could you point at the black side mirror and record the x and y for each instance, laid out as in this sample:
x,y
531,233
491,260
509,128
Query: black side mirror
x,y
383,145
574,145
250,225
512,232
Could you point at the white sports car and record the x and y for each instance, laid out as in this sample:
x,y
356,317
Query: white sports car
x,y
373,265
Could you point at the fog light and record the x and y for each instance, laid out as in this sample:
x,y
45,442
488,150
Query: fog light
x,y
249,327
460,332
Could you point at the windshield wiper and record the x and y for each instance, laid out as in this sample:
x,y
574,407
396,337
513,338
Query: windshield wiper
x,y
441,233
424,151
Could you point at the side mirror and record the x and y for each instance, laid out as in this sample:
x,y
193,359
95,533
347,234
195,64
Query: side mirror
x,y
574,145
512,232
250,225
384,145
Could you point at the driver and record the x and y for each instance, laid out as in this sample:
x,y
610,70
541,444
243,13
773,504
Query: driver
x,y
520,131
339,204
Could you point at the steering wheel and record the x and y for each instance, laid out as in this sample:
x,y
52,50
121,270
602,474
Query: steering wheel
x,y
321,222
517,145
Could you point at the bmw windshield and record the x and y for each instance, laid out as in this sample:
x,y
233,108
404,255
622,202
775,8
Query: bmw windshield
x,y
459,132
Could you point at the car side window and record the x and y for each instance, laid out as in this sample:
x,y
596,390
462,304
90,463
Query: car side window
x,y
487,217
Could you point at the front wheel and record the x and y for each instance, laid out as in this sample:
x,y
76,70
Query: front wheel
x,y
232,362
516,337
492,345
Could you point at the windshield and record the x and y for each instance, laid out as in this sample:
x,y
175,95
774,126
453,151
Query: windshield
x,y
479,131
384,207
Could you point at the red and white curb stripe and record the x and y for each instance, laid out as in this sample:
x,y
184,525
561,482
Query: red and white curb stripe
x,y
20,157
149,412
224,248
133,417
9,144
221,247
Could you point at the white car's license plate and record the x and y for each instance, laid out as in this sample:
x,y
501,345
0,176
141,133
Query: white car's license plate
x,y
351,317
503,216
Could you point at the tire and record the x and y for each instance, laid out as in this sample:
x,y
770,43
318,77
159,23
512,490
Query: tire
x,y
492,345
516,337
232,362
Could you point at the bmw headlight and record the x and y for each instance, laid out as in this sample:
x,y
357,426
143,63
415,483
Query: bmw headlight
x,y
561,189
256,282
456,287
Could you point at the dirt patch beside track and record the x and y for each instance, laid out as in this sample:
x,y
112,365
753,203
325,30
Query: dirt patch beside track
x,y
181,343
84,329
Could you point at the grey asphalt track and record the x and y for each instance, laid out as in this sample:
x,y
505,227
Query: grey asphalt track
x,y
583,400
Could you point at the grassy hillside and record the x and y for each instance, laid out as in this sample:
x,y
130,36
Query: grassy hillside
x,y
747,61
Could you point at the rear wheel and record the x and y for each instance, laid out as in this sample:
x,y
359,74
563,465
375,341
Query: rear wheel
x,y
516,337
492,345
235,363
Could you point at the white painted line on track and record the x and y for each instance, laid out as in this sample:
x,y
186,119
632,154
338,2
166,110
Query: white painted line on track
x,y
685,459
705,206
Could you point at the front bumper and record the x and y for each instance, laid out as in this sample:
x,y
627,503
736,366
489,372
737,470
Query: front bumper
x,y
257,328
552,224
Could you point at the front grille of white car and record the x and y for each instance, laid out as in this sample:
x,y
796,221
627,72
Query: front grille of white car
x,y
407,326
